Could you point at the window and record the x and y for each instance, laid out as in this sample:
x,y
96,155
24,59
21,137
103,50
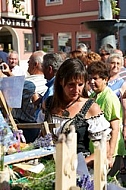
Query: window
x,y
28,42
64,42
84,37
47,43
54,2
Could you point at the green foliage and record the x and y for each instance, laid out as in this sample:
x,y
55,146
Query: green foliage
x,y
114,180
41,181
18,8
115,9
44,180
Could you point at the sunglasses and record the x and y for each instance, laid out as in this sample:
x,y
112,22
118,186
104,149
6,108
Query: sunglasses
x,y
103,54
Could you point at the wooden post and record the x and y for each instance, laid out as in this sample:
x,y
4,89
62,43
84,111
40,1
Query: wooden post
x,y
75,188
7,110
100,164
4,179
66,162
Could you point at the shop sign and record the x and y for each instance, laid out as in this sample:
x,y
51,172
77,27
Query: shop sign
x,y
47,38
15,22
84,36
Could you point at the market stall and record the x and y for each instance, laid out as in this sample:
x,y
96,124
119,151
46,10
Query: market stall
x,y
67,163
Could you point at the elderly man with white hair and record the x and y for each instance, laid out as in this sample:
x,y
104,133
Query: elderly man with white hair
x,y
33,91
82,47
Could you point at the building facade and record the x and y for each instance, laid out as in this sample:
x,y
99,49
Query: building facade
x,y
122,33
17,32
60,25
53,25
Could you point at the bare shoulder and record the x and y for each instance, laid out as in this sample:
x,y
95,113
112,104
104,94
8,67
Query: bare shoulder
x,y
94,110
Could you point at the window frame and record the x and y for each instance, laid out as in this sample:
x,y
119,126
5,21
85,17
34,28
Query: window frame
x,y
28,47
53,2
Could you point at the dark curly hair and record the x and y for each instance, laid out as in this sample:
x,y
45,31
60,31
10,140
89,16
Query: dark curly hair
x,y
99,68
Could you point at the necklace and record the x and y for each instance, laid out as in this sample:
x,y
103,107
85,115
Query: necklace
x,y
65,112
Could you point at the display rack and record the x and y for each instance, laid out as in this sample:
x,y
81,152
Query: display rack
x,y
25,155
28,155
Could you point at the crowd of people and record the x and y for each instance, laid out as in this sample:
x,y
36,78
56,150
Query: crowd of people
x,y
83,88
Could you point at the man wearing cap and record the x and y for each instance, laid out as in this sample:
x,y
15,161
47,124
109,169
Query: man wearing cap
x,y
104,51
82,47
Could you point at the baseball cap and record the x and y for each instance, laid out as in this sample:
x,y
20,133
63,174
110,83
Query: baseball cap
x,y
83,47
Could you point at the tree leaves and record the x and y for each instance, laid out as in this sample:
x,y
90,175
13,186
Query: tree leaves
x,y
115,9
18,8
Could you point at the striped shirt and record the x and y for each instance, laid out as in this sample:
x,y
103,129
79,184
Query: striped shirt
x,y
116,85
27,112
122,73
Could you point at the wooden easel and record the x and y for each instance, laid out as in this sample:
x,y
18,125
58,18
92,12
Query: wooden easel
x,y
100,164
7,111
66,162
45,127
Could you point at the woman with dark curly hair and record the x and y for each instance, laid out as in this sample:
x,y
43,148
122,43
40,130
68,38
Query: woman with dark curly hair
x,y
99,74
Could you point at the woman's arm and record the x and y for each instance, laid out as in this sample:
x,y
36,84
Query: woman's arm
x,y
123,89
90,159
124,116
114,136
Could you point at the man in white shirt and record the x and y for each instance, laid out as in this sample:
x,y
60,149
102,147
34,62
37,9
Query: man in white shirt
x,y
33,91
14,68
